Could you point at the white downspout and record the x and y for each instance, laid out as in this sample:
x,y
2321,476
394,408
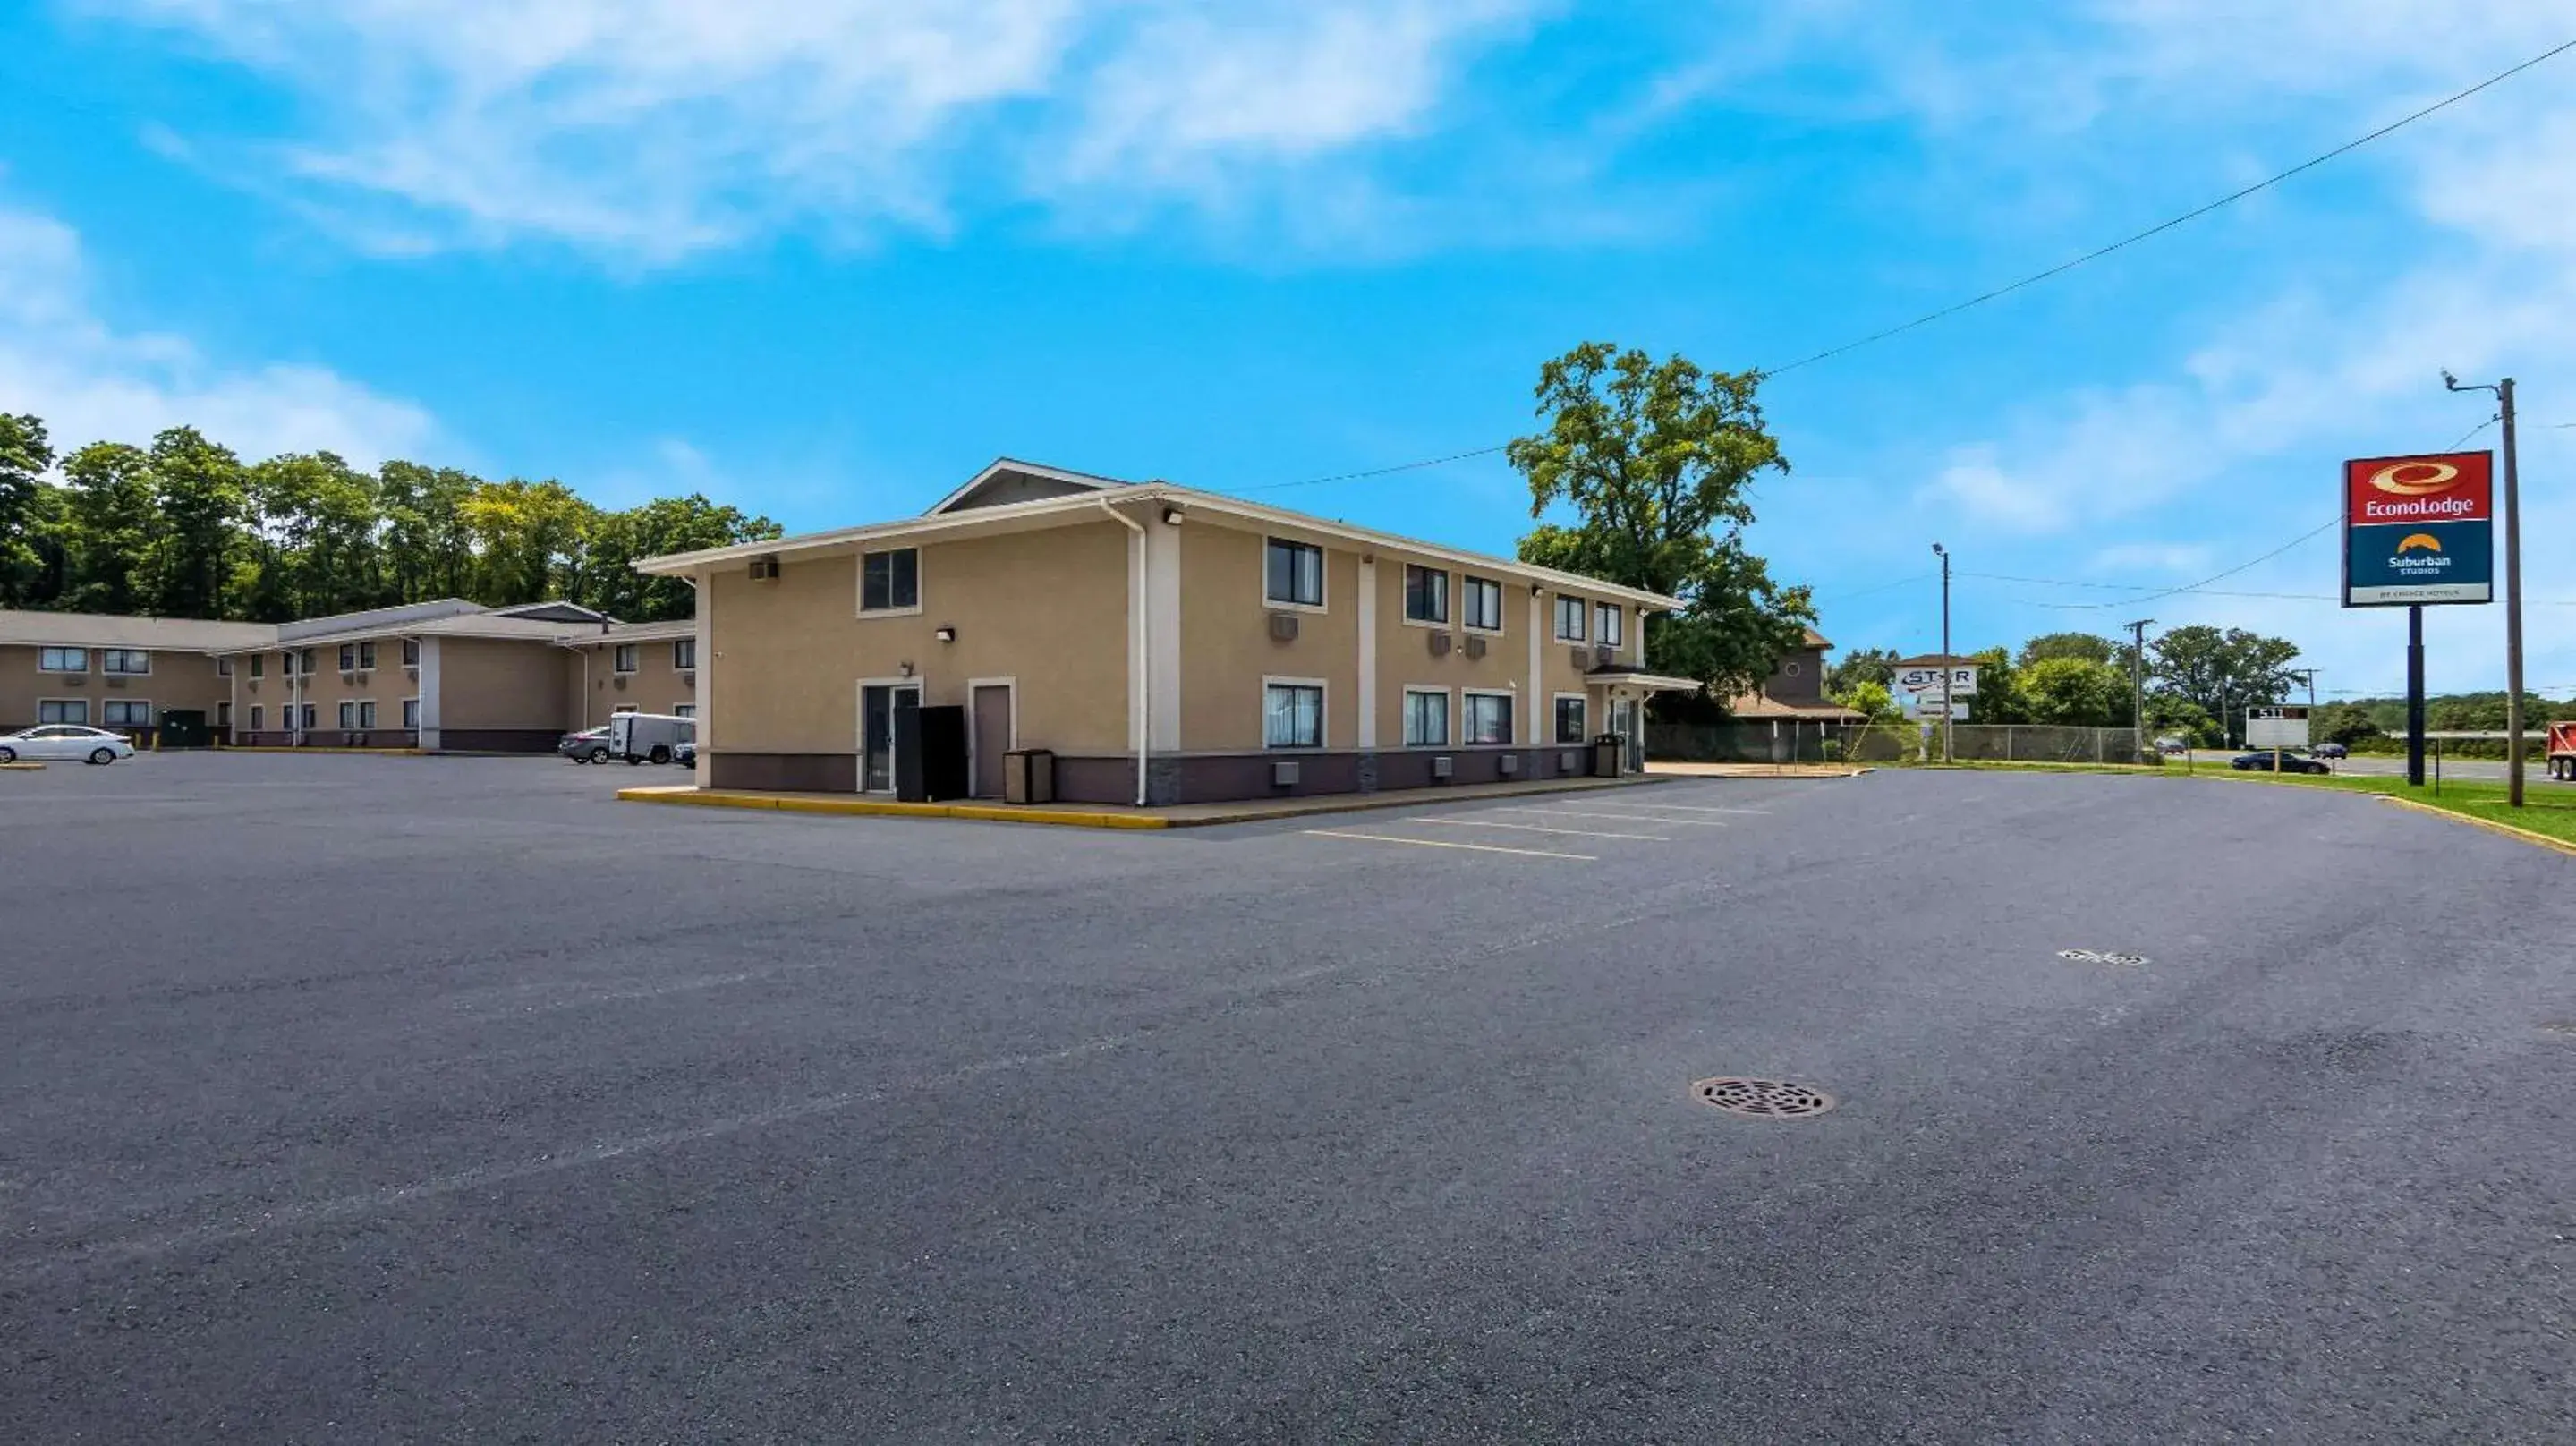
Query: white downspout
x,y
1144,647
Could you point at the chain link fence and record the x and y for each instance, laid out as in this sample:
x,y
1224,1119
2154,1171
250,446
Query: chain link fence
x,y
1792,741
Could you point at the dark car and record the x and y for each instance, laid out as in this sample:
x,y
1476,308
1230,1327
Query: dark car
x,y
2331,750
2261,760
590,745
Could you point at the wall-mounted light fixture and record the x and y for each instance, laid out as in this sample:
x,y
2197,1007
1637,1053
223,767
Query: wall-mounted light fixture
x,y
904,668
946,635
1172,516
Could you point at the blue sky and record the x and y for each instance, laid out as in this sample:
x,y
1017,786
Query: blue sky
x,y
823,258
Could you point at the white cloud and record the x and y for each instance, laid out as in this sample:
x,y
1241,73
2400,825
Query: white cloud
x,y
89,381
653,130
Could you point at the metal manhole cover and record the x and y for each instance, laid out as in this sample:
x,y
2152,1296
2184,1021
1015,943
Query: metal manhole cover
x,y
2097,956
1764,1099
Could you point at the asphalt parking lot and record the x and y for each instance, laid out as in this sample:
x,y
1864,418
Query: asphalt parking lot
x,y
383,1098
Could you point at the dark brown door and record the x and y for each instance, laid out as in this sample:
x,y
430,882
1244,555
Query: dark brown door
x,y
992,738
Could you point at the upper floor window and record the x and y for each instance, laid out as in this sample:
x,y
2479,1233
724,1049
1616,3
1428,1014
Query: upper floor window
x,y
890,581
366,655
223,667
624,657
1483,598
348,657
411,652
1426,594
1293,573
258,668
684,654
304,663
124,660
1609,624
62,660
1569,619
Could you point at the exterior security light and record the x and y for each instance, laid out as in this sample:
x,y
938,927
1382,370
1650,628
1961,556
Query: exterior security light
x,y
946,635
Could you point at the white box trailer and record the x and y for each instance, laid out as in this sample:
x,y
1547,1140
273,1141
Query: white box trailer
x,y
649,737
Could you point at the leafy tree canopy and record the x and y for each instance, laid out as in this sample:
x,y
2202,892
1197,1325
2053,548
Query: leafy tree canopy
x,y
2084,646
1867,665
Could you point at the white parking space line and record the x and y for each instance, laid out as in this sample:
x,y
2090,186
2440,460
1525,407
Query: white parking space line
x,y
1539,828
1688,807
1626,817
1434,843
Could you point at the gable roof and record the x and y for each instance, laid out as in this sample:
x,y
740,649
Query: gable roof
x,y
1085,505
1008,480
112,630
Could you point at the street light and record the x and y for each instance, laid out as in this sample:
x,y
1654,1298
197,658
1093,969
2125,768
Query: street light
x,y
1949,702
2512,587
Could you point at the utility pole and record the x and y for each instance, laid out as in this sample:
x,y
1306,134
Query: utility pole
x,y
1949,670
2138,683
2309,677
2513,745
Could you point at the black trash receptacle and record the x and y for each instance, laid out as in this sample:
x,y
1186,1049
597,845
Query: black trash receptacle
x,y
1028,776
1608,753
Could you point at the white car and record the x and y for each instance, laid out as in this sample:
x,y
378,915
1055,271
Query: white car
x,y
65,740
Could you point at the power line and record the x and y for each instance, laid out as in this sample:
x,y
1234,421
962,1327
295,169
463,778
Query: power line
x,y
1882,587
2034,278
2473,431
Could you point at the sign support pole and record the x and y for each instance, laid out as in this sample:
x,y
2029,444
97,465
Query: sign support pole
x,y
2415,696
2513,749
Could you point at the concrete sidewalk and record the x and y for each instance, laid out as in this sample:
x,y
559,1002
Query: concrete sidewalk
x,y
1108,815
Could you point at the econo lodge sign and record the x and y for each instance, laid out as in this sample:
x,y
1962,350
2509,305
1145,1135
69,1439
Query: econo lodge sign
x,y
2419,530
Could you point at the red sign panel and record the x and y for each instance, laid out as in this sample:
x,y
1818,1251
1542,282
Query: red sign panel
x,y
2390,491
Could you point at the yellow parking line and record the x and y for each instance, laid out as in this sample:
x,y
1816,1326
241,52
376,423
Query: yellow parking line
x,y
1629,817
1433,843
1539,828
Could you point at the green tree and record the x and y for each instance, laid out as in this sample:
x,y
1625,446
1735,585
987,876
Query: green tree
x,y
29,513
1869,665
2172,716
429,548
618,540
1656,461
530,541
2344,723
1871,700
112,528
317,538
2074,691
2221,672
1999,694
2084,646
199,490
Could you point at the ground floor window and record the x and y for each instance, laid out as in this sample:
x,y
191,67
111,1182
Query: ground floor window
x,y
63,710
684,710
411,712
1489,717
622,708
223,715
1569,719
1426,717
367,714
310,711
128,713
1292,715
348,715
258,717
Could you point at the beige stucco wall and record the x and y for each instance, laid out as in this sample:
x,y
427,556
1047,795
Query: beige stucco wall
x,y
493,683
1047,608
386,684
654,687
177,680
1226,647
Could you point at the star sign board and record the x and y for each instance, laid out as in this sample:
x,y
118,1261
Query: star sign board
x,y
2419,530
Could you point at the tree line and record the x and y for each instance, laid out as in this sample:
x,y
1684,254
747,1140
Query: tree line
x,y
181,527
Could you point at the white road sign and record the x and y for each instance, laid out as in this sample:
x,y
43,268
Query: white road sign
x,y
1962,680
2282,725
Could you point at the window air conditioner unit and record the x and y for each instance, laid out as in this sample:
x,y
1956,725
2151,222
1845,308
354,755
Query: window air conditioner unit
x,y
1283,775
1606,653
1582,658
621,680
411,670
764,569
688,675
1569,761
1283,627
1475,646
350,675
1440,645
114,681
1508,765
1444,769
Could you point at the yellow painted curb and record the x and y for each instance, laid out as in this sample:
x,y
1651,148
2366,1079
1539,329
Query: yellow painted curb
x,y
22,767
2490,825
885,808
362,752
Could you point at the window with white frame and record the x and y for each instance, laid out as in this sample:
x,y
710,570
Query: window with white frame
x,y
684,654
1426,717
258,717
366,655
411,652
890,581
132,662
684,710
1426,594
286,664
1569,619
1609,624
63,710
348,714
1569,719
62,660
1292,573
259,665
1483,599
411,712
366,713
348,657
128,713
625,657
223,667
307,720
1489,717
1292,715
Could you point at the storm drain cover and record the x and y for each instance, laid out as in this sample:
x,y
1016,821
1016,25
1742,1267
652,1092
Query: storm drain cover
x,y
1765,1099
2097,956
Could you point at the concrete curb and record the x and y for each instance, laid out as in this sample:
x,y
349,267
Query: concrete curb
x,y
2490,825
360,752
691,797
